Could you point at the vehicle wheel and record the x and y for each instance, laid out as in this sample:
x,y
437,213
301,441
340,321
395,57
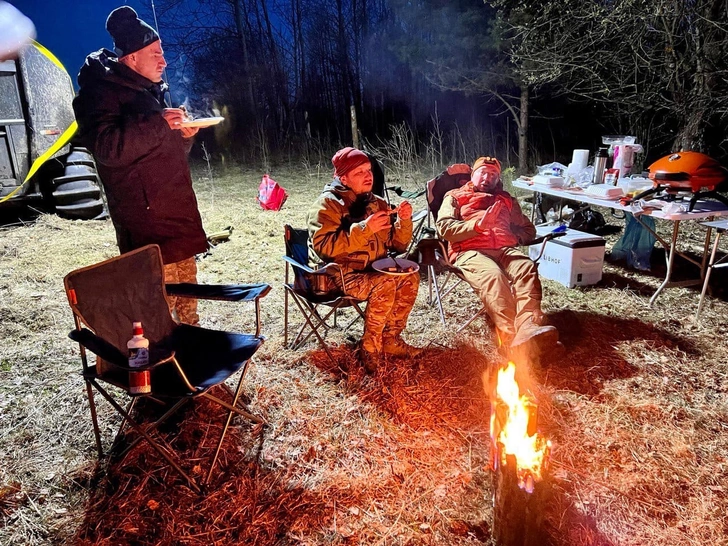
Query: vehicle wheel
x,y
80,156
77,194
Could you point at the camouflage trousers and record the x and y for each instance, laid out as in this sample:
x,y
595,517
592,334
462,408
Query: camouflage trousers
x,y
183,309
507,283
389,301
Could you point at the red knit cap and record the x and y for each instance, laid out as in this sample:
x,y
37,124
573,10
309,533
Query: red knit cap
x,y
347,159
491,164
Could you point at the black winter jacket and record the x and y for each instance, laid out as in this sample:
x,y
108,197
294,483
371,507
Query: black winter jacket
x,y
142,162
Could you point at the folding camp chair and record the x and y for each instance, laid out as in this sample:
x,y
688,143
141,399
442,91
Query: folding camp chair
x,y
311,289
185,361
432,251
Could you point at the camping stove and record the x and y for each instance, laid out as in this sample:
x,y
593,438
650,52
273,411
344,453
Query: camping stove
x,y
688,172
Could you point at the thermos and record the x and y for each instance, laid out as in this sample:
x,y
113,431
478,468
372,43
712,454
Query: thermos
x,y
600,164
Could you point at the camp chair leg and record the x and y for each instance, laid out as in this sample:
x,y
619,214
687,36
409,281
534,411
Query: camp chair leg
x,y
285,312
235,397
154,425
314,330
239,411
94,417
155,445
360,316
470,320
298,342
129,408
432,282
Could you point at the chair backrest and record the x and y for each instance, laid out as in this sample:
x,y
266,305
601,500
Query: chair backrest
x,y
380,186
296,241
453,177
109,296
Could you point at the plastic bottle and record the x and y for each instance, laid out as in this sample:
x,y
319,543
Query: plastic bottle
x,y
138,345
551,217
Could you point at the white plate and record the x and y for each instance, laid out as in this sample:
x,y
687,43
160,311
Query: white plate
x,y
389,263
202,122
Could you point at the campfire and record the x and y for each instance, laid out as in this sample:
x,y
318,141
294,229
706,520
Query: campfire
x,y
519,460
513,422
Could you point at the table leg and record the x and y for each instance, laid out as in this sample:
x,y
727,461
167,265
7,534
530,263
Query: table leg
x,y
707,274
670,250
704,262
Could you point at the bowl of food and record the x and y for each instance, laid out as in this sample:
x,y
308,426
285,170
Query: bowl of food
x,y
395,266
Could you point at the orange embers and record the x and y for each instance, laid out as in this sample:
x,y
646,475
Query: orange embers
x,y
513,422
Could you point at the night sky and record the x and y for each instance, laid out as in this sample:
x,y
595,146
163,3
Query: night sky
x,y
73,29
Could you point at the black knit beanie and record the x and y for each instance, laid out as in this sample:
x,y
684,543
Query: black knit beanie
x,y
130,33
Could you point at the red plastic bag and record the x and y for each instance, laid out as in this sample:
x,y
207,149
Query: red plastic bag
x,y
270,195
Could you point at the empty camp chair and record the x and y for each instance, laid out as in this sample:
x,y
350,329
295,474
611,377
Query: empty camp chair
x,y
432,250
312,290
185,361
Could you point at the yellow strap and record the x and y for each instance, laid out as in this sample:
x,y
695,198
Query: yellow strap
x,y
50,55
58,144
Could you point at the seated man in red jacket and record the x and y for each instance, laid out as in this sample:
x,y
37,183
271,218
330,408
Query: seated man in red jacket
x,y
483,224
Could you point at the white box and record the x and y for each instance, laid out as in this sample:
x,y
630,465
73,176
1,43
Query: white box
x,y
575,259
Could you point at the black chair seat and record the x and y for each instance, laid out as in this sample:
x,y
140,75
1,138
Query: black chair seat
x,y
207,357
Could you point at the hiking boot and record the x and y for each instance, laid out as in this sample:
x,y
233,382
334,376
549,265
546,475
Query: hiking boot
x,y
538,339
397,347
369,360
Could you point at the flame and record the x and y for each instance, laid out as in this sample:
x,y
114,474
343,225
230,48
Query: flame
x,y
510,429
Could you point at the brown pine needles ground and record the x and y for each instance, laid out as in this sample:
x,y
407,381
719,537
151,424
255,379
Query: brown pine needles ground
x,y
637,410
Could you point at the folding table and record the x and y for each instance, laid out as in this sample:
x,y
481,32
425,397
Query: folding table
x,y
703,210
720,226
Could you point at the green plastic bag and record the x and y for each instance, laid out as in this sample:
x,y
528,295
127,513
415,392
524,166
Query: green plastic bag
x,y
636,244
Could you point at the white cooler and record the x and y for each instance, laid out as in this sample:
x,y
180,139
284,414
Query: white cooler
x,y
574,259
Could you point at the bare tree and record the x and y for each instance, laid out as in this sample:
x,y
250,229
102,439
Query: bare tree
x,y
658,67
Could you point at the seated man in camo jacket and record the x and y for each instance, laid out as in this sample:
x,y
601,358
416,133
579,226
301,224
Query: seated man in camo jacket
x,y
351,226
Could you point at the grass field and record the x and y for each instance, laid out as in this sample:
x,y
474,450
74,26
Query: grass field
x,y
637,410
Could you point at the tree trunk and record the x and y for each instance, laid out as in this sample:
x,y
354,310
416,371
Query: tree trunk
x,y
523,132
238,12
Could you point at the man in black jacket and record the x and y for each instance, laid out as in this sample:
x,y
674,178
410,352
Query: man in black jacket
x,y
140,148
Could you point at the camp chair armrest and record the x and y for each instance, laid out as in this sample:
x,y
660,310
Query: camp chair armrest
x,y
299,265
331,269
105,350
542,241
222,292
544,238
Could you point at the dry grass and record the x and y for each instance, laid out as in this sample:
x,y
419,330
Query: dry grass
x,y
637,410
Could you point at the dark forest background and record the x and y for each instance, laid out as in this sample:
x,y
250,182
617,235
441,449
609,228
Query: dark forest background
x,y
448,80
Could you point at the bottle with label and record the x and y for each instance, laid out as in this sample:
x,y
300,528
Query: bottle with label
x,y
138,345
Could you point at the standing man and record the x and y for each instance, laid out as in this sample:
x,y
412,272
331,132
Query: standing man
x,y
483,224
351,226
141,150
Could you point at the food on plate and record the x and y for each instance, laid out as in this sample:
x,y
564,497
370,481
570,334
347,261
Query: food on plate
x,y
397,269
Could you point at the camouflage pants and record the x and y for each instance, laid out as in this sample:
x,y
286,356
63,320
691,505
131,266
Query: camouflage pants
x,y
185,309
389,301
507,283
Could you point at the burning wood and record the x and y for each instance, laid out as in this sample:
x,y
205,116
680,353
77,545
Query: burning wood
x,y
513,423
519,459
